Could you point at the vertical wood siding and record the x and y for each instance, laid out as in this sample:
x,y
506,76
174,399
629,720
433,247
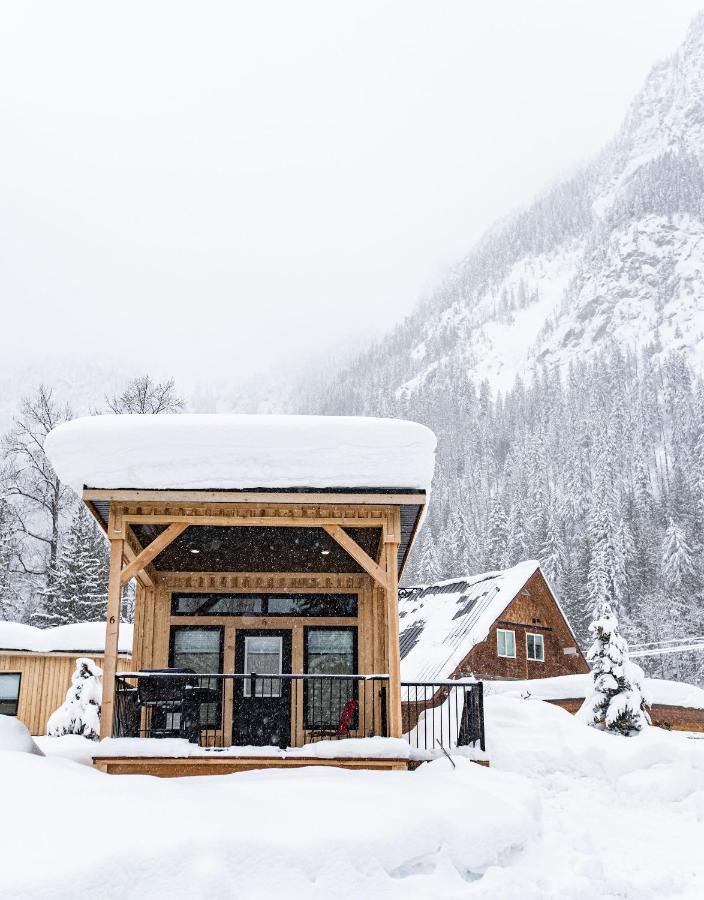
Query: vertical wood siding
x,y
46,677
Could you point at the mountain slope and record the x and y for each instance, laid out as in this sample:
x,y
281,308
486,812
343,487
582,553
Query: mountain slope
x,y
612,255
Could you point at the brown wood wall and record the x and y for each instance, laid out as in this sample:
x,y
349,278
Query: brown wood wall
x,y
673,718
533,610
46,677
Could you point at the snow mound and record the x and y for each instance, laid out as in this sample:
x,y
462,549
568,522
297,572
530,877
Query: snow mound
x,y
15,737
660,691
82,637
230,452
313,832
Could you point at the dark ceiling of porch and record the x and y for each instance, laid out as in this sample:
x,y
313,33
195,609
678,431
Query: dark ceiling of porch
x,y
242,548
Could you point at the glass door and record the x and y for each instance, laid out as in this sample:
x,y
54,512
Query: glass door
x,y
262,705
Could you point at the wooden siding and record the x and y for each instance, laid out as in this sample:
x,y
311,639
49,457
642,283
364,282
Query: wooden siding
x,y
45,679
533,610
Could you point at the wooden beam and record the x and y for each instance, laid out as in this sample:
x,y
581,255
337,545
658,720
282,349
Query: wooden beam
x,y
391,545
357,553
144,577
141,496
152,551
246,521
112,636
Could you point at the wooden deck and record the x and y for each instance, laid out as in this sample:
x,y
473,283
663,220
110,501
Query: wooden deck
x,y
179,767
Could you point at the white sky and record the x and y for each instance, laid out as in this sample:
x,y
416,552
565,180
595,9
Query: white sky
x,y
216,189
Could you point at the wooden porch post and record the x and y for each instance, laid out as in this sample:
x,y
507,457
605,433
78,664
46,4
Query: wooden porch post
x,y
112,634
391,543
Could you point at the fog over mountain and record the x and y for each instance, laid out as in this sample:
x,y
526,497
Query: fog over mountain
x,y
560,364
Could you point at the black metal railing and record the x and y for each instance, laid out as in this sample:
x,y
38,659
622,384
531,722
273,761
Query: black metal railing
x,y
216,710
443,714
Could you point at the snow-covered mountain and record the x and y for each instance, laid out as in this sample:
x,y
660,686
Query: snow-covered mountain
x,y
613,254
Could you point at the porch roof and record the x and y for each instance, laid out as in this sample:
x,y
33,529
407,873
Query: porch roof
x,y
242,452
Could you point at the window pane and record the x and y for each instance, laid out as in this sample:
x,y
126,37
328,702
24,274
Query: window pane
x,y
510,643
262,656
198,649
330,652
9,692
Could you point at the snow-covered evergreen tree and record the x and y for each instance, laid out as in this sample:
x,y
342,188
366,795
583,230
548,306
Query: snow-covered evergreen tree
x,y
617,702
80,582
80,711
497,536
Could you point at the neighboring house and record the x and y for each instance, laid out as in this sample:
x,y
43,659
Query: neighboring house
x,y
267,552
500,625
36,665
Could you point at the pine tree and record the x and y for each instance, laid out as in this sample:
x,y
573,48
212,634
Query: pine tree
x,y
617,702
10,603
497,536
429,569
80,711
80,582
553,556
454,545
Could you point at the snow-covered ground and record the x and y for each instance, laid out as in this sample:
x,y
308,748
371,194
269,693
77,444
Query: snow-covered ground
x,y
563,812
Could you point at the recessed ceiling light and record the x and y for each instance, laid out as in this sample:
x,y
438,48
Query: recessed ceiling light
x,y
195,550
325,552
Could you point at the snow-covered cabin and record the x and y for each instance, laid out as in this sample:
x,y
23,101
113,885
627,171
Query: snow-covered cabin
x,y
505,624
36,665
267,552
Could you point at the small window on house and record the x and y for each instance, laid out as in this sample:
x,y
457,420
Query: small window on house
x,y
506,643
9,693
535,647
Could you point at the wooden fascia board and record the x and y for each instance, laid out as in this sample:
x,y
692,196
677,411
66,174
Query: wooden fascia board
x,y
298,499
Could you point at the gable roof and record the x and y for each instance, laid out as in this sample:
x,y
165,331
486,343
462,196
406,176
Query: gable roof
x,y
440,623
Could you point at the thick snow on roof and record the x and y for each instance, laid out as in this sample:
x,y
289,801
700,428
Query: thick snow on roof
x,y
83,637
576,687
227,452
440,623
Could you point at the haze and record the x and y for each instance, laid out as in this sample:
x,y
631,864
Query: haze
x,y
215,191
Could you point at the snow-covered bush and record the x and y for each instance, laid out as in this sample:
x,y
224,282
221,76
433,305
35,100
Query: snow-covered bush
x,y
80,711
617,702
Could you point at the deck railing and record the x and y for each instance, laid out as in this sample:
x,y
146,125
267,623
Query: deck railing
x,y
222,710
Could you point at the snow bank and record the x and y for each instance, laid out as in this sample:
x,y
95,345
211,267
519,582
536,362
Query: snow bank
x,y
576,687
15,737
83,637
305,833
222,452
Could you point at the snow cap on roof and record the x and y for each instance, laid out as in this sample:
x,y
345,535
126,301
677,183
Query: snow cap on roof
x,y
82,637
440,623
229,452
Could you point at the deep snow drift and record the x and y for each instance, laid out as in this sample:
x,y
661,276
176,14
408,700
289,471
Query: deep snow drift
x,y
565,811
229,452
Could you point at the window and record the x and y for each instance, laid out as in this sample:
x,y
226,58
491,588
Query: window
x,y
9,693
535,647
329,651
506,643
264,605
200,651
262,656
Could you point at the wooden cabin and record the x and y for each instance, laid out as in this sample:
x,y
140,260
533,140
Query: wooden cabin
x,y
499,625
267,552
36,665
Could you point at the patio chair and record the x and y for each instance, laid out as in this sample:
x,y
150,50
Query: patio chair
x,y
344,726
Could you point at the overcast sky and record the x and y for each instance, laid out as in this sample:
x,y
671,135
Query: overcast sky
x,y
215,189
